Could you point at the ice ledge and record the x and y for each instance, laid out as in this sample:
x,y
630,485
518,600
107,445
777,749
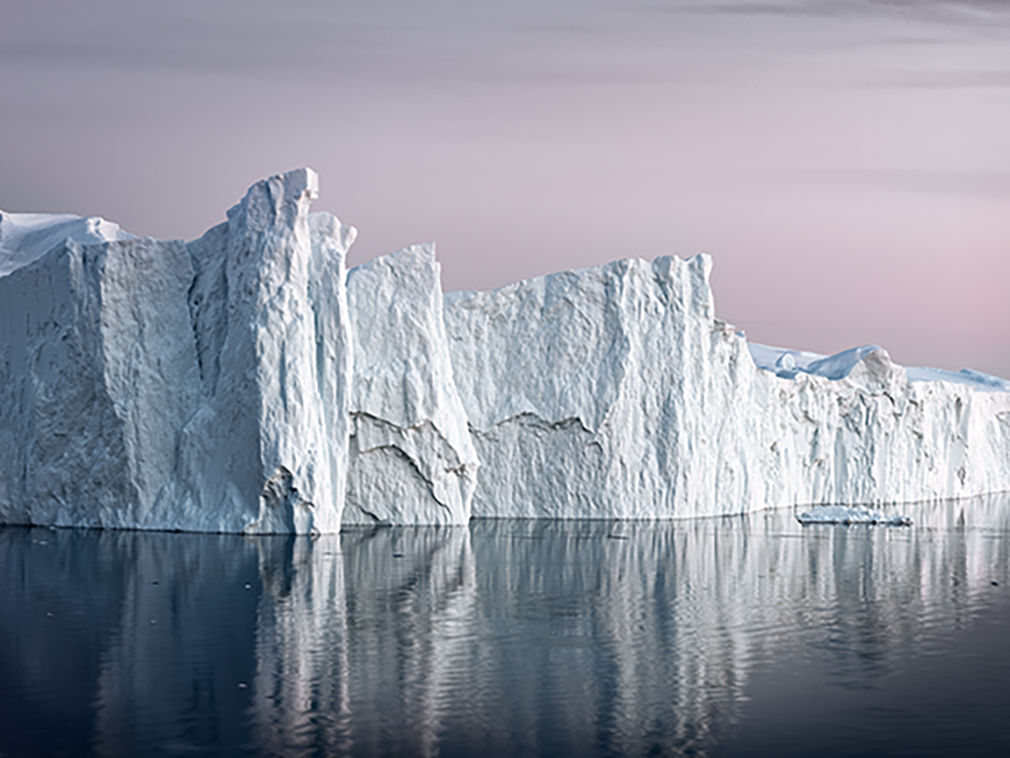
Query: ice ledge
x,y
26,237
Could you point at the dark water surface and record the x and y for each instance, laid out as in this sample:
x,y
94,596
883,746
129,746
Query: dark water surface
x,y
733,636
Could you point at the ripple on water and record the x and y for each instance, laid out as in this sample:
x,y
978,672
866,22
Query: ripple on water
x,y
730,635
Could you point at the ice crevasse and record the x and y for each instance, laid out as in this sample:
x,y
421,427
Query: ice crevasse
x,y
247,382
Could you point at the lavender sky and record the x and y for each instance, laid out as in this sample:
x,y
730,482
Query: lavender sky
x,y
845,162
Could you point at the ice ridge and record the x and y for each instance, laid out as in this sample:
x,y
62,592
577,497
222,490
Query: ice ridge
x,y
788,363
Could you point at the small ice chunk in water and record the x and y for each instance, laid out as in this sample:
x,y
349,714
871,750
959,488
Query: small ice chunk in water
x,y
843,514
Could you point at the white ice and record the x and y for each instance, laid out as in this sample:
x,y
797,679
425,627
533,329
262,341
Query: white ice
x,y
26,237
842,514
788,363
245,381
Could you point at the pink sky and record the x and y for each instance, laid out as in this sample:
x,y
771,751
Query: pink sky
x,y
845,162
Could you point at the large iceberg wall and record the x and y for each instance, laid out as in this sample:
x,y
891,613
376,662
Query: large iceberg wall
x,y
160,385
615,392
581,389
246,381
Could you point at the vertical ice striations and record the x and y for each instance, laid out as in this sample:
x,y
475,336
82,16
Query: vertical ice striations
x,y
97,374
334,350
411,456
160,385
614,392
270,316
588,392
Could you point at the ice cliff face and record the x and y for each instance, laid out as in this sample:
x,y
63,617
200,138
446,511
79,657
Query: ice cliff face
x,y
269,314
160,385
246,382
411,457
614,391
586,390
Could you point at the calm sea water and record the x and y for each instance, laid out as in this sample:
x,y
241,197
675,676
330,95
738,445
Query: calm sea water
x,y
735,636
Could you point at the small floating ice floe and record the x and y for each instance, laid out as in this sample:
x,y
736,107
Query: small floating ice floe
x,y
844,514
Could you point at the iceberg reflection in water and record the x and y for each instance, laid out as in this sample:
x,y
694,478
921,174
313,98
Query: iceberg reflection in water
x,y
513,637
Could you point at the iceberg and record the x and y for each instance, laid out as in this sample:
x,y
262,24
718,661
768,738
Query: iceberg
x,y
154,384
615,392
247,382
788,363
841,514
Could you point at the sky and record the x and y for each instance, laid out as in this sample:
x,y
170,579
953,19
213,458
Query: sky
x,y
845,162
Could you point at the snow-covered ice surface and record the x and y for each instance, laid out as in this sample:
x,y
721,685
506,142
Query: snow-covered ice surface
x,y
245,381
844,514
788,363
26,237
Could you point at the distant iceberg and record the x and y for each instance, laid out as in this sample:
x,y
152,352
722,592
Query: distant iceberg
x,y
246,381
788,363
